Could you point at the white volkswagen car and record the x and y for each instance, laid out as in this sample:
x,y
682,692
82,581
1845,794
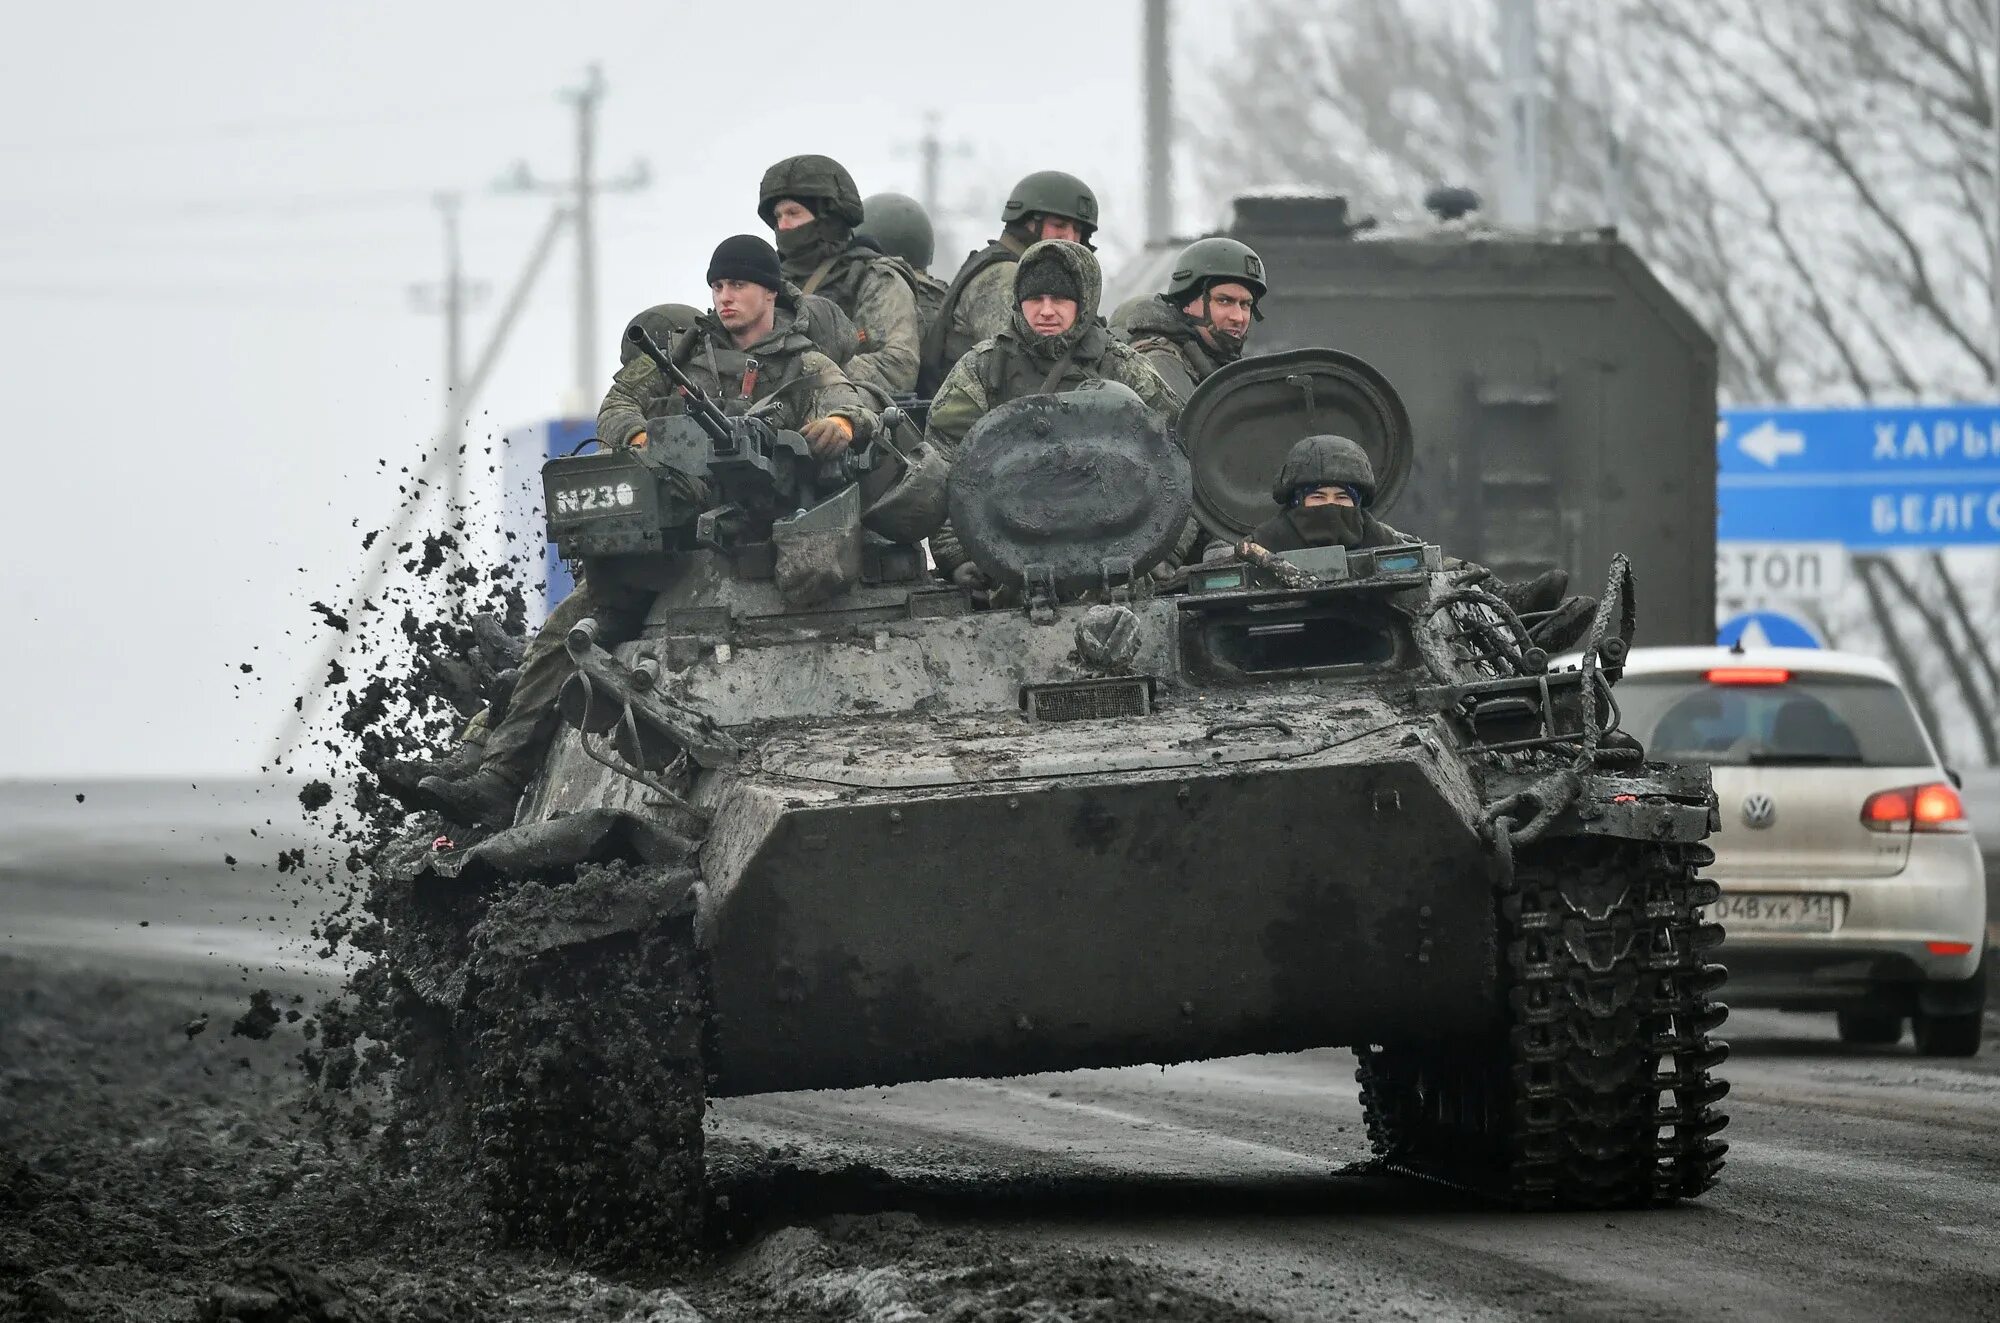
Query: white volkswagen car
x,y
1850,880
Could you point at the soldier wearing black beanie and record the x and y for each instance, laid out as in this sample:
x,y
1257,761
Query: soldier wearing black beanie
x,y
746,257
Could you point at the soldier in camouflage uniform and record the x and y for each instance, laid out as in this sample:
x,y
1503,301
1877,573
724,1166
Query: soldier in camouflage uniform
x,y
1053,341
1202,320
812,206
1324,490
897,225
793,387
1047,204
830,330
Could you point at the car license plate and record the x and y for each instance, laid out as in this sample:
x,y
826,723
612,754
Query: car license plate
x,y
1807,912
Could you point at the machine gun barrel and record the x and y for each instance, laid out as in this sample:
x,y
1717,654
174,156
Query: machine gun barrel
x,y
702,409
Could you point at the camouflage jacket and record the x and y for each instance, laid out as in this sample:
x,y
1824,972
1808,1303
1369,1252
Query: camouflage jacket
x,y
795,382
1170,343
823,322
1017,362
878,295
978,305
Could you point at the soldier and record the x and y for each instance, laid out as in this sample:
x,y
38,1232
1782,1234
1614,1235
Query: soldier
x,y
897,225
830,330
1053,341
1202,320
792,386
1323,491
1047,204
812,206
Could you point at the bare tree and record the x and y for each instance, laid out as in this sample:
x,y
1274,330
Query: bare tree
x,y
1857,135
1813,179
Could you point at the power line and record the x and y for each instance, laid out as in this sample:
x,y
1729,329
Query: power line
x,y
582,190
263,127
261,294
124,212
444,461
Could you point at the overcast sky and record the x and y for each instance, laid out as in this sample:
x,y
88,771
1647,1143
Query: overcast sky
x,y
212,217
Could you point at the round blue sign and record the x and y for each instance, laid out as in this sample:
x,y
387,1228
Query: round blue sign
x,y
1766,629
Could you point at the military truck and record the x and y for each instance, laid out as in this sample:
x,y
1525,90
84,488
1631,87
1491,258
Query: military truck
x,y
848,827
1563,400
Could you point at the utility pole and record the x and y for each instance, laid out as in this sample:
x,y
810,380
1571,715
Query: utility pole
x,y
930,152
452,297
585,99
931,149
1156,76
1521,123
581,191
377,567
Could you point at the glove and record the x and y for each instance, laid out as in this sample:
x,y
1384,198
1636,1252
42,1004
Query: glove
x,y
828,436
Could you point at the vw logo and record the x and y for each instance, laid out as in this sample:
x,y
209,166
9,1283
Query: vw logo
x,y
1759,810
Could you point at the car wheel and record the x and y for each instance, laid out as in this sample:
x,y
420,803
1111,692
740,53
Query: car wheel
x,y
1872,1028
1949,1035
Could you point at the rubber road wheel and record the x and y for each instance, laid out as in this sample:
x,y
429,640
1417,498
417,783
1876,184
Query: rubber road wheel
x,y
1871,1028
1949,1035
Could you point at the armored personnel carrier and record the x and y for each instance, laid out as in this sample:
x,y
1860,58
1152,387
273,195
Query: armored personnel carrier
x,y
849,826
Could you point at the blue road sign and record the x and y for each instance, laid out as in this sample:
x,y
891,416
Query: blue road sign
x,y
1766,629
564,434
1867,477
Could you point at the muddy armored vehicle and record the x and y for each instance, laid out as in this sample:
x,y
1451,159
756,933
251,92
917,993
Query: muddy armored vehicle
x,y
830,823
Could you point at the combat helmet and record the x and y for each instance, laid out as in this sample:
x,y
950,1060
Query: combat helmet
x,y
898,224
1325,461
1216,258
811,178
1052,193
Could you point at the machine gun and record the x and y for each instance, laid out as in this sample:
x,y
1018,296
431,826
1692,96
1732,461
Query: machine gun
x,y
680,490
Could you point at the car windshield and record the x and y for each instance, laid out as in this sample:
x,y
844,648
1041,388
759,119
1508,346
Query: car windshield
x,y
1848,721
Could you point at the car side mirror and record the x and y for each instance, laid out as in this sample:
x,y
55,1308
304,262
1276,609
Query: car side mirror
x,y
1957,781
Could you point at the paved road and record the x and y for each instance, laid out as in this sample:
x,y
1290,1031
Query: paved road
x,y
1861,1184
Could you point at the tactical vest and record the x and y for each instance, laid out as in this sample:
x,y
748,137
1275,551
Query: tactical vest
x,y
930,301
720,367
937,358
1008,372
839,280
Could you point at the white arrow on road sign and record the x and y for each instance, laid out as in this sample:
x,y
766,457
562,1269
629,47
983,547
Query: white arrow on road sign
x,y
1767,443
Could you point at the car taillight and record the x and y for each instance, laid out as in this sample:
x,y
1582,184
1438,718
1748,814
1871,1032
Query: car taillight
x,y
1749,675
1886,810
1933,807
1948,948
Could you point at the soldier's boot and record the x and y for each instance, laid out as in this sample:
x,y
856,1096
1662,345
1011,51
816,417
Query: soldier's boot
x,y
1533,596
400,778
486,798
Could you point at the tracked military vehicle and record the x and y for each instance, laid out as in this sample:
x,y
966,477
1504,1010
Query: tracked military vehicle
x,y
867,830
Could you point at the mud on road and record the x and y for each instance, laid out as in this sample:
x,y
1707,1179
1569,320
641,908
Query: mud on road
x,y
154,1165
147,1172
151,1172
